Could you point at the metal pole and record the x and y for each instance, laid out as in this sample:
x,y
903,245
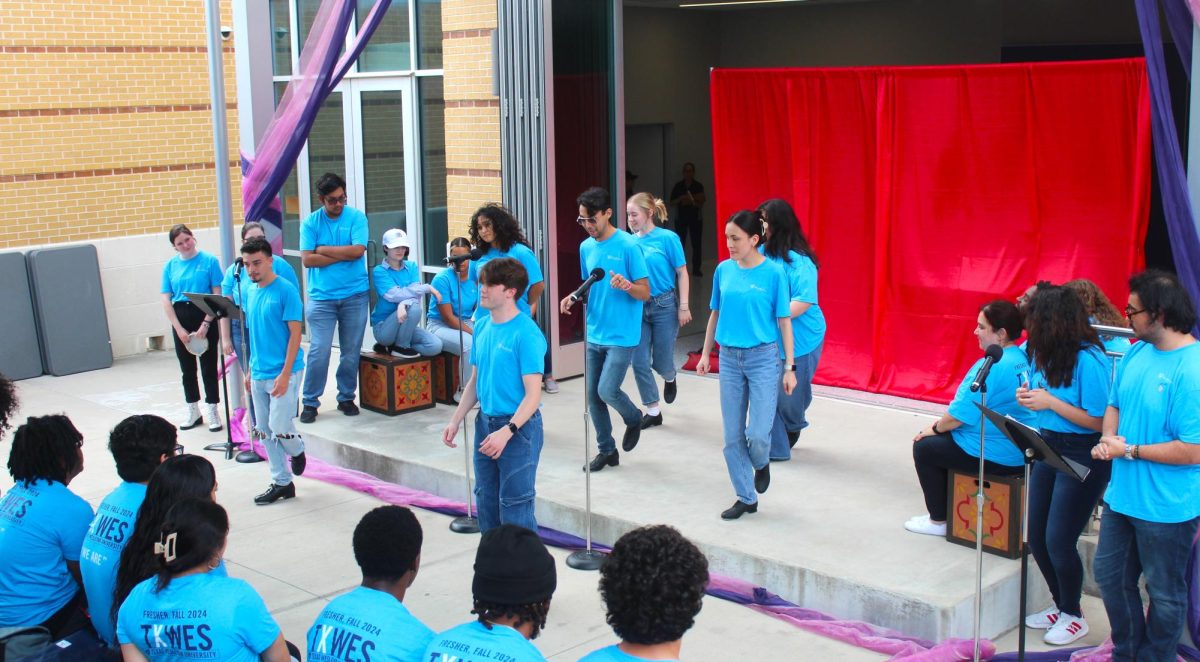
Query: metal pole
x,y
468,523
587,558
979,497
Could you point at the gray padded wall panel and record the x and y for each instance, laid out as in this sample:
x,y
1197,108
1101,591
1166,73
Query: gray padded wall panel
x,y
69,304
20,356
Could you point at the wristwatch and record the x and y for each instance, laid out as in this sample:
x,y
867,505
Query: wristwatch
x,y
789,368
1129,449
512,427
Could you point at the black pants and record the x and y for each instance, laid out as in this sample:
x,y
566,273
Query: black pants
x,y
191,317
696,228
70,618
934,457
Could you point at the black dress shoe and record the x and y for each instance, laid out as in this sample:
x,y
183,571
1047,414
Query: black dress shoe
x,y
348,408
762,478
298,464
379,348
669,391
738,509
308,414
603,460
793,437
649,421
275,493
632,434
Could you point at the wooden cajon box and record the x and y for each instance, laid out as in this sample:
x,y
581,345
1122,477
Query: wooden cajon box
x,y
391,385
1001,512
445,378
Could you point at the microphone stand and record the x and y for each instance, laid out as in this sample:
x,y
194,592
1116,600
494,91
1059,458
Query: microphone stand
x,y
246,456
587,558
467,523
979,497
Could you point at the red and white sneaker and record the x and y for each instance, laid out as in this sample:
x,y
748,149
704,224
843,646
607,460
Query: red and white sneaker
x,y
1044,619
1066,629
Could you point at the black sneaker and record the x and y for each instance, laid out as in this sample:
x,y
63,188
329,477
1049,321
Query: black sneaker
x,y
603,460
762,478
649,421
275,493
379,348
298,464
738,509
405,352
632,434
669,391
308,414
348,407
793,437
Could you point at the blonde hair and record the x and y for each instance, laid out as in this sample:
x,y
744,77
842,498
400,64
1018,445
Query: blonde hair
x,y
654,207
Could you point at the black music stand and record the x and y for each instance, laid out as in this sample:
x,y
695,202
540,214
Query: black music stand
x,y
219,307
1033,448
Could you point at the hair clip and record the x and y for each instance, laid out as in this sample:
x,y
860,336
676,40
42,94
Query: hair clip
x,y
167,549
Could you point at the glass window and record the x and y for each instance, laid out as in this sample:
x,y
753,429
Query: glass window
x,y
327,142
281,36
307,11
433,169
383,162
429,34
388,49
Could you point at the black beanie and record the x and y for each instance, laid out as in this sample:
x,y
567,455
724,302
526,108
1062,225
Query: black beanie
x,y
512,567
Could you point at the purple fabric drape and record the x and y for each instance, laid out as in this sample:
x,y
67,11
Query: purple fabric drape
x,y
320,71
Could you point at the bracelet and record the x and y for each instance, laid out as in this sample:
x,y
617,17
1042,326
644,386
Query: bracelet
x,y
1137,452
683,308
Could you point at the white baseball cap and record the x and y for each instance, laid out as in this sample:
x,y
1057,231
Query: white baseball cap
x,y
395,238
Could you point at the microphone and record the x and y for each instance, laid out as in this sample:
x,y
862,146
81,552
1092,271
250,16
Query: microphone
x,y
992,354
592,278
238,263
475,254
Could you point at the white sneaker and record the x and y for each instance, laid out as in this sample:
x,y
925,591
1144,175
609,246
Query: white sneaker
x,y
922,524
212,417
191,417
1066,629
1044,619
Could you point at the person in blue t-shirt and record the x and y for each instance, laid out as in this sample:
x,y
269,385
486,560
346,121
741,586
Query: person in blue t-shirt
x,y
139,444
371,621
273,315
234,284
451,319
187,611
396,320
333,247
1151,434
1068,389
1101,310
952,441
614,322
192,271
751,320
653,585
514,581
666,310
787,246
42,527
506,382
179,477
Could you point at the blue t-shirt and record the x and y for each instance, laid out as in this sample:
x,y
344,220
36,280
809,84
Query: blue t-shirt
x,y
471,642
521,253
101,553
808,330
1088,390
342,279
613,317
751,302
229,285
268,310
1006,375
1158,396
663,254
447,284
612,654
502,354
42,525
385,278
366,624
200,274
197,617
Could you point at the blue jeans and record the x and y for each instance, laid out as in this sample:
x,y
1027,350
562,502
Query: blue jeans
x,y
1131,547
504,487
1059,508
789,413
749,390
606,368
389,331
449,338
660,327
236,337
275,425
350,316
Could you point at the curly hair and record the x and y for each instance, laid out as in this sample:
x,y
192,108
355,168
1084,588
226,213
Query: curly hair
x,y
506,231
1096,303
1058,329
387,542
536,614
45,448
8,402
138,444
652,585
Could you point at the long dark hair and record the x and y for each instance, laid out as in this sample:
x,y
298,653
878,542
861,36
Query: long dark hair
x,y
785,233
198,528
45,448
506,230
180,477
1058,327
750,222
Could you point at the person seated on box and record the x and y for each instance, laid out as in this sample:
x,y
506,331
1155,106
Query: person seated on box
x,y
453,313
952,441
397,316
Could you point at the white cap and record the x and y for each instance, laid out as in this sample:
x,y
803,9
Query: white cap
x,y
395,238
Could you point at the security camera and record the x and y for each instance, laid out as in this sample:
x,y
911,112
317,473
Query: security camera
x,y
226,32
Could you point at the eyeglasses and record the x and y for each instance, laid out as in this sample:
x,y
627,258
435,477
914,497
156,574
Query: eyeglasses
x,y
1130,312
178,449
586,219
336,201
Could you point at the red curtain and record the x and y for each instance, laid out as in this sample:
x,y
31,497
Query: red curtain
x,y
928,191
